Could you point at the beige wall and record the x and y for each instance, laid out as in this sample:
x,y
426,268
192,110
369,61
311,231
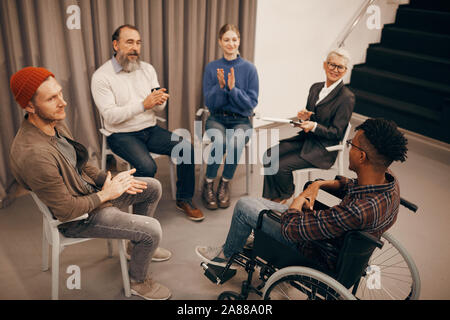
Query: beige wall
x,y
292,40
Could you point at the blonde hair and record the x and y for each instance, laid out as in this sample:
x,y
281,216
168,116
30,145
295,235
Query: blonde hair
x,y
340,52
228,27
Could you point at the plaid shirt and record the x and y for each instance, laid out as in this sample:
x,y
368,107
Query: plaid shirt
x,y
370,208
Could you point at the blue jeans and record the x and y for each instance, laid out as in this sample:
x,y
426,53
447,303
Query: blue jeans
x,y
245,218
112,223
135,147
232,143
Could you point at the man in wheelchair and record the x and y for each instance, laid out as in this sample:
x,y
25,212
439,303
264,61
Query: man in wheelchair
x,y
369,203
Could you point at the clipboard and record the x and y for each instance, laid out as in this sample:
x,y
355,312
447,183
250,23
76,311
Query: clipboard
x,y
281,120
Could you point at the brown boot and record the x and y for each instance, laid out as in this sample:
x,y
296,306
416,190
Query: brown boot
x,y
223,194
208,195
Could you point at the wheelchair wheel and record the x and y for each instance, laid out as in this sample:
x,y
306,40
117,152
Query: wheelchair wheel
x,y
229,295
398,275
302,283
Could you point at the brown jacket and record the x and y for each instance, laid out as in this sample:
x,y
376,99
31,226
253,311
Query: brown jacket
x,y
39,166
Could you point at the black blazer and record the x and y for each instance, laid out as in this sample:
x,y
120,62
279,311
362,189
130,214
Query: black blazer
x,y
332,115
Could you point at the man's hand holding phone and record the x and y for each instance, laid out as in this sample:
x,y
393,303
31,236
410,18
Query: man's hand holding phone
x,y
156,98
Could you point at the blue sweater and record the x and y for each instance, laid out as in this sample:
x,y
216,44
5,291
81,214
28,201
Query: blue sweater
x,y
243,98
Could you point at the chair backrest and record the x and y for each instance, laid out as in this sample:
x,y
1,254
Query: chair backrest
x,y
354,256
346,134
43,208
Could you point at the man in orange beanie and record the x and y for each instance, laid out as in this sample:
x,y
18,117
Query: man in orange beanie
x,y
46,160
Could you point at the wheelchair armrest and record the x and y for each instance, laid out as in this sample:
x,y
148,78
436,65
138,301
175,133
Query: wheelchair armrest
x,y
275,216
336,194
371,238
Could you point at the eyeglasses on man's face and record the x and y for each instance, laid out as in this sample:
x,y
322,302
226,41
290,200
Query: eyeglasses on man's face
x,y
338,67
349,143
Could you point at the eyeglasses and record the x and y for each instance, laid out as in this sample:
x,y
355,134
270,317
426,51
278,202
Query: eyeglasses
x,y
333,66
349,143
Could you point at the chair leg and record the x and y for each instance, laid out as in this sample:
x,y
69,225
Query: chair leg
x,y
200,177
124,267
110,248
45,250
247,170
173,181
55,270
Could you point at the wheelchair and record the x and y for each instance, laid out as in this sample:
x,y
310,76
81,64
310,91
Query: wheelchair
x,y
367,269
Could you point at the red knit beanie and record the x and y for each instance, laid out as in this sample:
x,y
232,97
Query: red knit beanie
x,y
25,82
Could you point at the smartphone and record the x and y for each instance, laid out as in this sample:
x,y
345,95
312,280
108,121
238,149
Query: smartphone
x,y
296,122
154,89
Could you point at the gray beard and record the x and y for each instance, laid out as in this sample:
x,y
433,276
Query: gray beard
x,y
127,65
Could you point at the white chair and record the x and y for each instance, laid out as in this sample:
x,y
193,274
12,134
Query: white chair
x,y
205,142
106,150
52,236
338,165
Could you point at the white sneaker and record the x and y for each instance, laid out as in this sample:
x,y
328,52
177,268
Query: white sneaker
x,y
212,255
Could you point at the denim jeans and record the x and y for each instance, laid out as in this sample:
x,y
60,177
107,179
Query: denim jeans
x,y
245,218
112,223
232,144
135,147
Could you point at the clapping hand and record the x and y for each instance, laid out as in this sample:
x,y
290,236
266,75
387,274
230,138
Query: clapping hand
x,y
231,79
221,78
121,183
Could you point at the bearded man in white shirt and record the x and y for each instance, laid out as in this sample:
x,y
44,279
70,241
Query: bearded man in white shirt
x,y
126,91
323,122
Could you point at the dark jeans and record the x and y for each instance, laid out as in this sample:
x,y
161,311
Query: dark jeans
x,y
135,147
232,143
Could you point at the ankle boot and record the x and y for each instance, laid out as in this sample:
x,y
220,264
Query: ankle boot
x,y
208,195
223,194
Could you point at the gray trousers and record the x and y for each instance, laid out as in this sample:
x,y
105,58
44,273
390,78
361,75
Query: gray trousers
x,y
113,223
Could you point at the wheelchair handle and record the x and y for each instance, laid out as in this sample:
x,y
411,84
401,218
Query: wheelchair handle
x,y
409,205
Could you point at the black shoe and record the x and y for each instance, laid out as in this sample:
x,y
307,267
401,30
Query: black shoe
x,y
208,195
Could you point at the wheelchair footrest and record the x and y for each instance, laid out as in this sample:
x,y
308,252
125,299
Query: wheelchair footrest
x,y
217,274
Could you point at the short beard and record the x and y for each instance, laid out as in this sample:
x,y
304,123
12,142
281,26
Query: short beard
x,y
41,115
127,65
